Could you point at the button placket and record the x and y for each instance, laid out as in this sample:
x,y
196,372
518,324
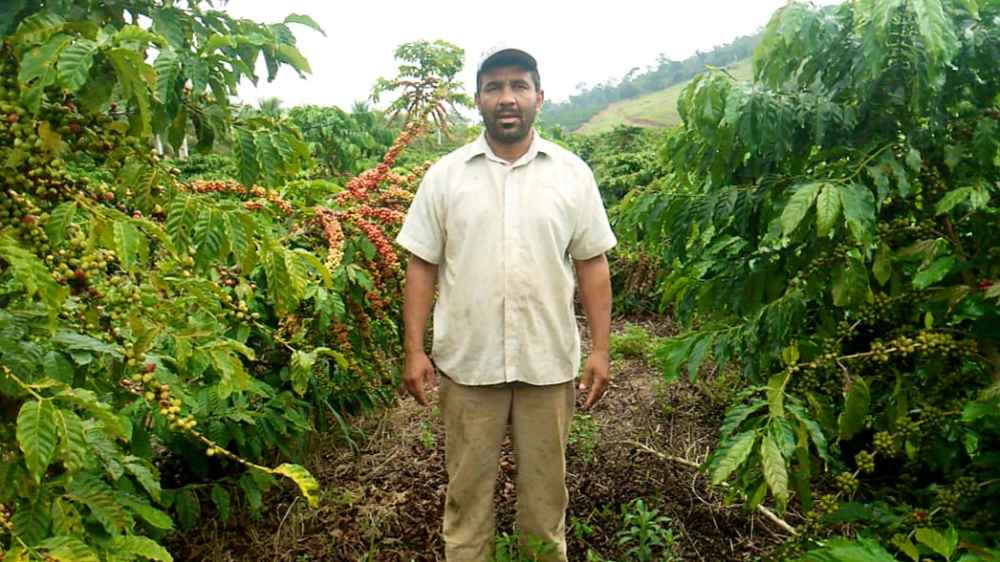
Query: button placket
x,y
510,333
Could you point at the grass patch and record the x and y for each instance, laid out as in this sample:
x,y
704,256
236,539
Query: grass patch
x,y
657,109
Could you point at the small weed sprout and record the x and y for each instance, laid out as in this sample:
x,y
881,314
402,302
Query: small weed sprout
x,y
583,436
634,342
427,437
580,528
512,547
645,532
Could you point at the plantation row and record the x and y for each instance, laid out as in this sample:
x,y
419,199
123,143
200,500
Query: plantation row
x,y
168,345
830,231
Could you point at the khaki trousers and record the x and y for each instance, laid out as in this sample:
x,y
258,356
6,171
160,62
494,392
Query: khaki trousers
x,y
476,419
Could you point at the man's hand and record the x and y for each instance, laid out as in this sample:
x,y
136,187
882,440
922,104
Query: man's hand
x,y
595,377
419,372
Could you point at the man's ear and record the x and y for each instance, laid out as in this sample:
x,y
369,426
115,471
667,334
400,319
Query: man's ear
x,y
539,99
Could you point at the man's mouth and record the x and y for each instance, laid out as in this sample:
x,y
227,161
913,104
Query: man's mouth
x,y
508,119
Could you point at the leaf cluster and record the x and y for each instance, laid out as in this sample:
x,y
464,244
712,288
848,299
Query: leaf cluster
x,y
829,229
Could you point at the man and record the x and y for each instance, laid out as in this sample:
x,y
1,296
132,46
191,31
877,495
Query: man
x,y
500,225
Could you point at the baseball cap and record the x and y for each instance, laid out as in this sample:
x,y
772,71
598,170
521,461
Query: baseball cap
x,y
503,55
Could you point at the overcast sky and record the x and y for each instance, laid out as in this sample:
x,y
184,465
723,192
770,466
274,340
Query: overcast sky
x,y
573,41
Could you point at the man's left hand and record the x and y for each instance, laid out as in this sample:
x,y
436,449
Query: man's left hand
x,y
595,377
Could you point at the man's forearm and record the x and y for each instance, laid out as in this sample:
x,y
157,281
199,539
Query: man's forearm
x,y
595,292
418,296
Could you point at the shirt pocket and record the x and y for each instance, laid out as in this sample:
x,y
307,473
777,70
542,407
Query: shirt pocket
x,y
548,218
475,216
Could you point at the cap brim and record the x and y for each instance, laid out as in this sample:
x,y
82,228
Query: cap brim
x,y
508,57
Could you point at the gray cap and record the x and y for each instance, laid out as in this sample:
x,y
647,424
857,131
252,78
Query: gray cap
x,y
504,55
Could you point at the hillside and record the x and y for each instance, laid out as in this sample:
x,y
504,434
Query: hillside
x,y
656,109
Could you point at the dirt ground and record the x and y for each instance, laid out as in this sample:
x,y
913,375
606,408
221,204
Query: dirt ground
x,y
384,500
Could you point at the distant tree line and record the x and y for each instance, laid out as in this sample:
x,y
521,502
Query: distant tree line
x,y
580,107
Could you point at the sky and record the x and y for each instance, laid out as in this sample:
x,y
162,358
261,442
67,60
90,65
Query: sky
x,y
574,42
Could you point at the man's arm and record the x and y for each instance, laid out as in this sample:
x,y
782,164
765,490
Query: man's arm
x,y
418,296
595,292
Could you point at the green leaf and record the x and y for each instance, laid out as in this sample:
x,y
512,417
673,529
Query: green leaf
x,y
130,244
815,431
882,268
292,56
66,519
736,415
40,62
306,21
301,372
37,434
156,518
234,376
935,272
216,41
798,205
32,521
776,395
775,472
697,355
33,275
75,62
844,550
856,403
68,549
134,33
904,545
850,284
246,156
252,491
859,212
222,501
827,209
168,69
80,342
135,77
144,547
94,494
59,220
146,474
945,546
938,38
8,12
172,24
303,479
913,159
188,508
952,199
87,400
73,440
732,453
978,410
669,355
37,28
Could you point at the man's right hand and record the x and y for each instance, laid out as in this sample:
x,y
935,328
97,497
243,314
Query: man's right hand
x,y
417,373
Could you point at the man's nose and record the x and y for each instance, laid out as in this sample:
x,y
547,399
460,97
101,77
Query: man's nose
x,y
507,96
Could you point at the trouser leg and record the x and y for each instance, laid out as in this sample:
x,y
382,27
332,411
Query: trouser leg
x,y
475,419
540,420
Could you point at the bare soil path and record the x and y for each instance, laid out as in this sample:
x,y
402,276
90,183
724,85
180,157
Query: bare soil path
x,y
383,501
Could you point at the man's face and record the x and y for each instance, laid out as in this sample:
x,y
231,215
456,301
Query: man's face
x,y
508,101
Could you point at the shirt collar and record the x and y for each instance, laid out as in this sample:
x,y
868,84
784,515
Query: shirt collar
x,y
482,148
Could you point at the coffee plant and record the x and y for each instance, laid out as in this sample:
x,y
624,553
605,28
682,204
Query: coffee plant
x,y
165,343
831,230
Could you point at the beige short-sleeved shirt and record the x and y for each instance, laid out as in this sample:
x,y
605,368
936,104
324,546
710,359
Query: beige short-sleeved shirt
x,y
504,237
